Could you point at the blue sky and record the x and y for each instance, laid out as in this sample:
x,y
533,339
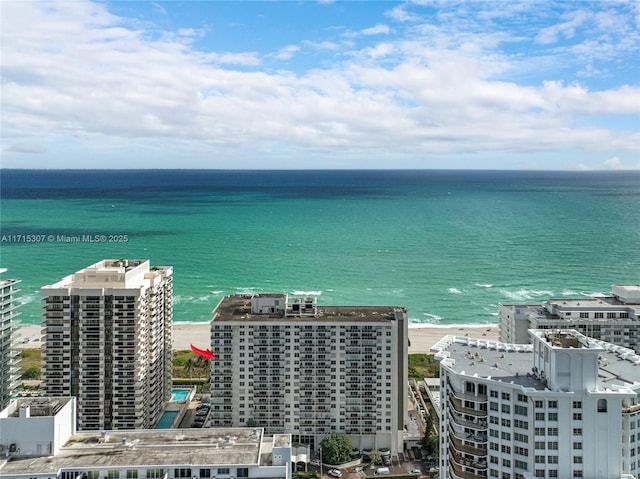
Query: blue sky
x,y
329,84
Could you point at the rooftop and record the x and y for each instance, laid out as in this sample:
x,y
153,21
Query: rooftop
x,y
512,363
238,307
38,406
239,446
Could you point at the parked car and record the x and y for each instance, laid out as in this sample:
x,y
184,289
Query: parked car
x,y
386,460
314,462
335,473
415,471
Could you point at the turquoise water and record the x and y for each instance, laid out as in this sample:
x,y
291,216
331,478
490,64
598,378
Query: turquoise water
x,y
166,420
179,394
448,245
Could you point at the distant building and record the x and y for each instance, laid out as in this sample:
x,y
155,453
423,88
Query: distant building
x,y
615,318
107,341
567,406
9,353
39,441
296,367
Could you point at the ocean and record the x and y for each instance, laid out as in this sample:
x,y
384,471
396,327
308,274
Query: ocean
x,y
450,246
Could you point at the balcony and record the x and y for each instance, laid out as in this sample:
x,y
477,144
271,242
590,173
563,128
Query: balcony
x,y
458,473
460,447
477,464
457,406
480,424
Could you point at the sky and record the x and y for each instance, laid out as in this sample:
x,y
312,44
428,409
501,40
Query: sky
x,y
320,84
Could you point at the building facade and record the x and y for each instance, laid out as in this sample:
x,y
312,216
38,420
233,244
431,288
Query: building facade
x,y
39,441
615,318
9,353
107,341
566,406
308,370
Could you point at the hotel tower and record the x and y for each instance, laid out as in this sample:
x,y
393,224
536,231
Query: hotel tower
x,y
107,341
298,368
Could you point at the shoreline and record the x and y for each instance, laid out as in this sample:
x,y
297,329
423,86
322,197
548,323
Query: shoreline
x,y
421,337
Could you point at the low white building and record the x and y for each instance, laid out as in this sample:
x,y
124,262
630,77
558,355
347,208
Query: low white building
x,y
39,442
566,406
615,318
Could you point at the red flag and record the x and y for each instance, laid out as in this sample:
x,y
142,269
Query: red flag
x,y
207,354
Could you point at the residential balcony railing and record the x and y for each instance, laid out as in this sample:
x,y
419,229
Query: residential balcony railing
x,y
459,446
458,473
481,398
480,424
457,406
478,465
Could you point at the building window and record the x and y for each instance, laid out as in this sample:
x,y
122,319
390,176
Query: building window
x,y
577,459
182,472
584,315
577,445
132,474
242,472
113,474
223,471
205,473
598,315
577,404
602,405
577,416
553,404
539,416
553,416
577,473
577,431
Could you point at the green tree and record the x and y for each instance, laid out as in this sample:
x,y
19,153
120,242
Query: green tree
x,y
375,456
189,366
336,449
251,422
31,373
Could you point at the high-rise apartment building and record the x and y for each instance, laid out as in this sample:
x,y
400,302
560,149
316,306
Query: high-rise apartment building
x,y
107,341
309,370
566,406
615,318
9,353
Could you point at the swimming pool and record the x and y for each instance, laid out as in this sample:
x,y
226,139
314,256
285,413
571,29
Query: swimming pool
x,y
179,394
166,421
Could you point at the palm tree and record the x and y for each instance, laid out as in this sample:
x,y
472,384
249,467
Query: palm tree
x,y
189,366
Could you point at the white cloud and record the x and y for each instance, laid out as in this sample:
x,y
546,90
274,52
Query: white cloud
x,y
565,29
27,147
379,29
287,52
105,82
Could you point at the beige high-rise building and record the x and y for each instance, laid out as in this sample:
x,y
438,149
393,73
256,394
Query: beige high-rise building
x,y
9,353
308,370
107,341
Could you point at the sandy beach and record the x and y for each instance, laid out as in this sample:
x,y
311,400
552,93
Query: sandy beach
x,y
421,338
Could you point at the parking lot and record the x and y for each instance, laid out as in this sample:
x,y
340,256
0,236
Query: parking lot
x,y
397,467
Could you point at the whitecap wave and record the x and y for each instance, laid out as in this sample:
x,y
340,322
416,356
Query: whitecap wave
x,y
454,291
216,292
484,285
307,293
26,299
525,294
